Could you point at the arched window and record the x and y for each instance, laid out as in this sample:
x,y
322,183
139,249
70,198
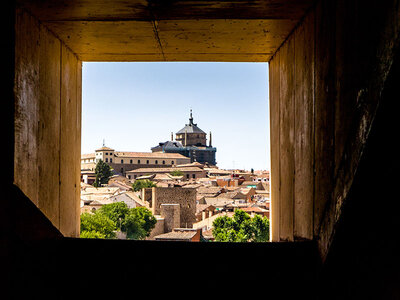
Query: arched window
x,y
131,161
163,162
147,161
122,161
172,162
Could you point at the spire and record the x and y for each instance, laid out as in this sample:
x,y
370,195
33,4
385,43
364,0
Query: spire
x,y
191,118
172,136
210,140
104,143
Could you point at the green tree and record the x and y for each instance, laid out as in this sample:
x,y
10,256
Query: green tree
x,y
97,226
142,183
136,222
241,228
115,212
261,228
92,235
139,223
177,173
103,173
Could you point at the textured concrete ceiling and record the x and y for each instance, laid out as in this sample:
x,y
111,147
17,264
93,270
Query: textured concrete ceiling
x,y
137,30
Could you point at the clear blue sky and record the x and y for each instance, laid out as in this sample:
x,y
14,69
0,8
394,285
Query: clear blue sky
x,y
134,106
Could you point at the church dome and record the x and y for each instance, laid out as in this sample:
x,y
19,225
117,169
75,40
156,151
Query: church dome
x,y
191,127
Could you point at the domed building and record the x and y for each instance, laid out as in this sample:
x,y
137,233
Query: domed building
x,y
191,142
191,135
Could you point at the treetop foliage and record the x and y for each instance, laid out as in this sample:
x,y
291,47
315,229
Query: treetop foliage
x,y
142,183
136,222
241,228
97,226
103,173
177,173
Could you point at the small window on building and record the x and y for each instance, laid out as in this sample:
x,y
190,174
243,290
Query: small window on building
x,y
131,161
172,162
194,175
147,161
110,160
129,176
122,161
156,162
187,176
138,162
106,159
163,162
122,170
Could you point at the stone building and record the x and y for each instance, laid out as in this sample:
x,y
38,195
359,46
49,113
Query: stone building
x,y
191,142
122,162
188,172
184,197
